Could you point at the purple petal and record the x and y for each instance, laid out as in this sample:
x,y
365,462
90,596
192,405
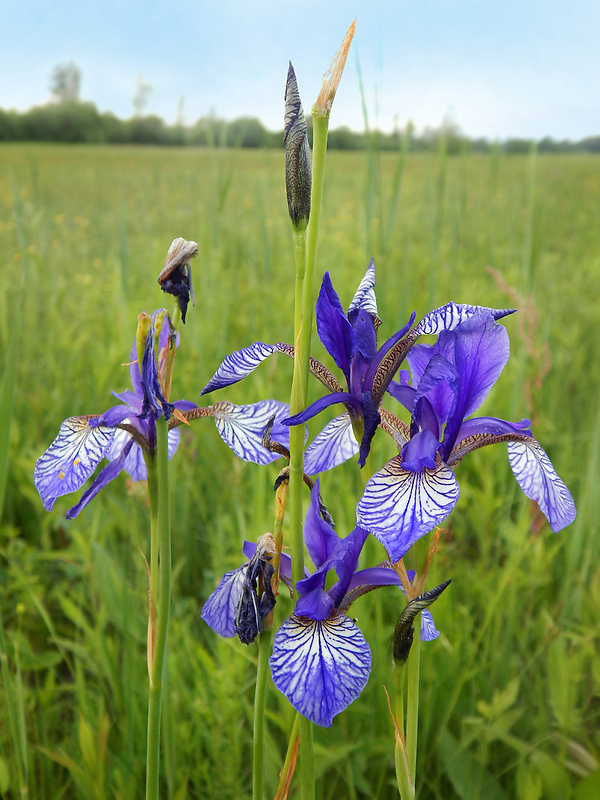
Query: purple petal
x,y
238,365
120,413
241,428
108,474
403,394
419,453
315,604
374,576
319,537
220,610
335,332
398,506
135,465
335,444
320,666
538,480
323,403
450,316
438,385
480,352
71,458
494,426
428,630
365,294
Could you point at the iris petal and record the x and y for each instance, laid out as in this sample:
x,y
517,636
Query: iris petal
x,y
220,610
335,444
538,479
104,477
450,316
428,630
399,506
241,428
238,365
71,458
319,537
335,332
365,294
321,666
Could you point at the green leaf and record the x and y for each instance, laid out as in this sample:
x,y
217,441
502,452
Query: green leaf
x,y
468,776
554,777
4,777
588,788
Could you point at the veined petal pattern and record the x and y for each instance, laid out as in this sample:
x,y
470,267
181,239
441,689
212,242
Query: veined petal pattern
x,y
335,444
399,506
538,479
450,316
71,458
241,428
221,608
238,365
321,666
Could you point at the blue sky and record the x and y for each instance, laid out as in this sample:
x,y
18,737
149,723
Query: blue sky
x,y
498,69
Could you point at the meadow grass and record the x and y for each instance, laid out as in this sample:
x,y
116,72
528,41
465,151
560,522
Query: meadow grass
x,y
510,692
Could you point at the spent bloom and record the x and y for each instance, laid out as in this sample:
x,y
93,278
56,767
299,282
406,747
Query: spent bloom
x,y
451,378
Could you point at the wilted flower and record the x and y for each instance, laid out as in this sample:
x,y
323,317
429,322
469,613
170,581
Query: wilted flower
x,y
417,489
176,276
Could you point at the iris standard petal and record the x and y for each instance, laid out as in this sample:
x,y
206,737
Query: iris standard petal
x,y
321,666
108,474
71,458
319,537
365,294
221,608
450,316
238,365
335,332
398,506
335,444
241,428
481,350
428,630
538,479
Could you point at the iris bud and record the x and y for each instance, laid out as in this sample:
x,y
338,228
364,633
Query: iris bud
x,y
298,177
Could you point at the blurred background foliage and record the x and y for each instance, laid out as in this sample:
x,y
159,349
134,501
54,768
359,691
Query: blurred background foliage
x,y
510,692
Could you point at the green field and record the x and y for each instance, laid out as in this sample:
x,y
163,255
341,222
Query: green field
x,y
510,692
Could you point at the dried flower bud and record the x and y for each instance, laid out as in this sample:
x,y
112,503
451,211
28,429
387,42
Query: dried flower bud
x,y
176,276
257,600
331,79
405,630
297,155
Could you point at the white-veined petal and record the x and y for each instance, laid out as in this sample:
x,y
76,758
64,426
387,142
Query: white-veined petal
x,y
321,666
450,316
335,444
538,479
365,294
71,458
221,608
241,428
238,365
428,630
399,506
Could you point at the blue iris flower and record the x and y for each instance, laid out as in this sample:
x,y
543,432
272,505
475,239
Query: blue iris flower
x,y
417,489
125,432
321,660
351,340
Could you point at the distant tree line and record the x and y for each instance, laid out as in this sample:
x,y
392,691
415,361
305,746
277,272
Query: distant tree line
x,y
74,121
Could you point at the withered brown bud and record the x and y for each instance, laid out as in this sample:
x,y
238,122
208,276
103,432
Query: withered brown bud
x,y
176,276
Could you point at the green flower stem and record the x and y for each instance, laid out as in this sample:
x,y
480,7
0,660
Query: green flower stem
x,y
265,644
302,335
412,702
406,786
284,774
157,659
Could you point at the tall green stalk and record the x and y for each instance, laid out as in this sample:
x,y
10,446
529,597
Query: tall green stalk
x,y
158,486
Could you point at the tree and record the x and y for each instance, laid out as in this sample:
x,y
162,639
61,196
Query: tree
x,y
65,83
142,94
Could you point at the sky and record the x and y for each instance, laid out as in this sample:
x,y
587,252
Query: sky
x,y
496,68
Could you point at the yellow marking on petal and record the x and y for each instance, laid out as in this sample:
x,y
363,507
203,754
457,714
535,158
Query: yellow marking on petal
x,y
77,461
61,475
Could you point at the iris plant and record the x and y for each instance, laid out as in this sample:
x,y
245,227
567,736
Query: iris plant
x,y
351,340
320,660
126,433
451,378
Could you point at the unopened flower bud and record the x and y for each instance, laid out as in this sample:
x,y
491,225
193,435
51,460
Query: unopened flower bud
x,y
297,155
144,324
176,276
405,630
